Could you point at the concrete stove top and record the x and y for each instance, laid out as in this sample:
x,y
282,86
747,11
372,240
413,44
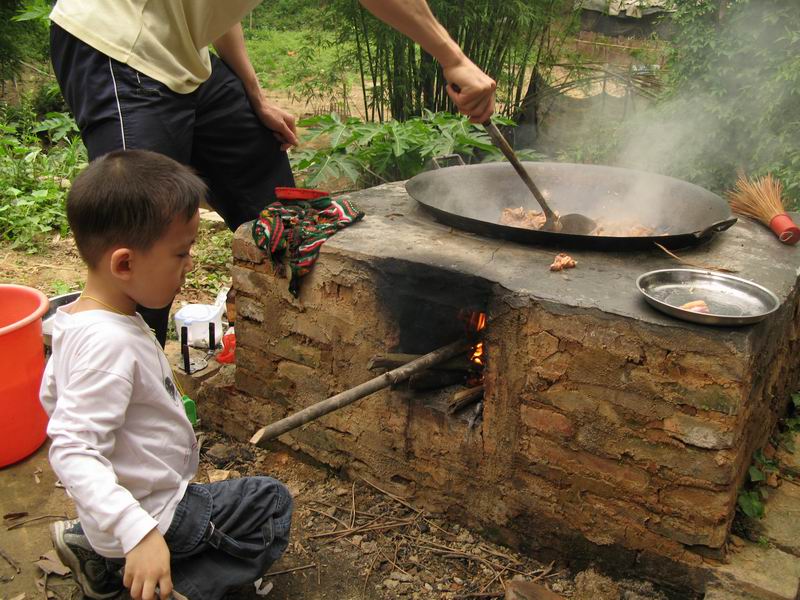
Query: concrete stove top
x,y
397,227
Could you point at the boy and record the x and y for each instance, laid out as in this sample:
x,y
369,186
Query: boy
x,y
121,442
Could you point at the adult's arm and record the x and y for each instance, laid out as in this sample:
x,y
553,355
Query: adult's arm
x,y
414,19
231,48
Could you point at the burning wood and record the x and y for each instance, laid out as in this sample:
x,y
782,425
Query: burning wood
x,y
464,398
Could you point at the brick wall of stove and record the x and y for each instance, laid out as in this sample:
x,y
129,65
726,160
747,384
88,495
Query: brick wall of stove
x,y
601,435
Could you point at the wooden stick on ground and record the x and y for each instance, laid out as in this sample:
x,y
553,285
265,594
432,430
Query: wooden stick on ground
x,y
464,398
14,564
303,568
265,434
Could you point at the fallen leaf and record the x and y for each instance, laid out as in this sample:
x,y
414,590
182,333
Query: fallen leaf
x,y
51,564
215,475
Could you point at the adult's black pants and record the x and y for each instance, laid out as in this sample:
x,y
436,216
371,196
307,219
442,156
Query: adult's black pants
x,y
213,129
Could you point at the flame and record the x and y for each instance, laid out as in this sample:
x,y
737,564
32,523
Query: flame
x,y
477,354
475,321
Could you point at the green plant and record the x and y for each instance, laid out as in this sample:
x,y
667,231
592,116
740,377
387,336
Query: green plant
x,y
23,36
34,10
59,287
33,179
752,497
370,153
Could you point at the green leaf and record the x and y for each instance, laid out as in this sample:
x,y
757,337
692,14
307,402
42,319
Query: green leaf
x,y
756,474
751,504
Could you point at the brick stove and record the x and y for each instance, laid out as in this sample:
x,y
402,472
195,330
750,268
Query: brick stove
x,y
611,433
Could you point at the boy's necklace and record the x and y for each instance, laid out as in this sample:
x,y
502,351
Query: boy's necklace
x,y
188,404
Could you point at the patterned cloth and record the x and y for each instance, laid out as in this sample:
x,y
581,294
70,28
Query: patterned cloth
x,y
299,222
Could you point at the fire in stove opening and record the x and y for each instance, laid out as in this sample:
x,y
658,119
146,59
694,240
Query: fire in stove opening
x,y
475,322
477,354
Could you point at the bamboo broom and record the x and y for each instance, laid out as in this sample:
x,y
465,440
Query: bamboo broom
x,y
761,199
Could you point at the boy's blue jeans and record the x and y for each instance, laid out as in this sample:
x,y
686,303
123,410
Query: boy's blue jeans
x,y
227,534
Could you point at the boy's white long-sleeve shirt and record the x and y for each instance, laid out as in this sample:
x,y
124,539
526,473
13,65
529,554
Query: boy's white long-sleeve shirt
x,y
121,443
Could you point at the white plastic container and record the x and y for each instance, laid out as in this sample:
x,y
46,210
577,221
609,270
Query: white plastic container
x,y
196,317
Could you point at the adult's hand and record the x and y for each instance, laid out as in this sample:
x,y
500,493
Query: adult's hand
x,y
147,567
473,92
282,123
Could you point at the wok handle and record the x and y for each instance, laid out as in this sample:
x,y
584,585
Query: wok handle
x,y
716,227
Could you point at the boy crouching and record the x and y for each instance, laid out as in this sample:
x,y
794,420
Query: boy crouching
x,y
121,442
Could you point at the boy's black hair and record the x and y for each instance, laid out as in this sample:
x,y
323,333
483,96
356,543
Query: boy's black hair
x,y
128,198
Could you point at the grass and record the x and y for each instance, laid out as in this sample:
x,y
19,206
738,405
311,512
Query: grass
x,y
283,58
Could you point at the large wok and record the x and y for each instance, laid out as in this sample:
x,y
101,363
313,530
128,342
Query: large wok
x,y
473,197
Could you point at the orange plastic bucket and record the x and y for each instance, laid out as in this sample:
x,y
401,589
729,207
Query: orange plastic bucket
x,y
23,422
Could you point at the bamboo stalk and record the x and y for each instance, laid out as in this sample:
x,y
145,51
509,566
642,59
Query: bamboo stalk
x,y
265,434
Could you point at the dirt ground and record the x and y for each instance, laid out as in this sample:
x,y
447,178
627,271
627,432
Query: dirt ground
x,y
350,540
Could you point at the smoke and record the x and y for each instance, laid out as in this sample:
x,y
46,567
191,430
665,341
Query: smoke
x,y
736,105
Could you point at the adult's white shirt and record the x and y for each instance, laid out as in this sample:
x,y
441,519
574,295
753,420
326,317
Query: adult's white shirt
x,y
121,442
165,39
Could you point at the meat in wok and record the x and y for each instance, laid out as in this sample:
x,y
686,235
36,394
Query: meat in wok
x,y
533,219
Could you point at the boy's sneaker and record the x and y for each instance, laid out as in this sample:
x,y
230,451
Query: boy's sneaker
x,y
89,569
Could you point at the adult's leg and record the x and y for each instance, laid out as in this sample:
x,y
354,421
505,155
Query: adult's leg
x,y
118,108
251,520
240,158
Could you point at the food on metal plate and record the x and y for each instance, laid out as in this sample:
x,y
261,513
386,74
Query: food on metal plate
x,y
534,219
563,261
698,306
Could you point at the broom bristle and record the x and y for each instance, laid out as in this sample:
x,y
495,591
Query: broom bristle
x,y
760,198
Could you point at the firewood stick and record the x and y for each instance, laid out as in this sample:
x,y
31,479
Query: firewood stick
x,y
464,398
336,402
394,360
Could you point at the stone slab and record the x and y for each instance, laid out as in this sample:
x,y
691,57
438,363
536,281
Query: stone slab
x,y
766,573
396,227
781,524
790,461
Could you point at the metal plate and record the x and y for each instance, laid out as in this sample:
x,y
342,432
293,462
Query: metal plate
x,y
731,300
